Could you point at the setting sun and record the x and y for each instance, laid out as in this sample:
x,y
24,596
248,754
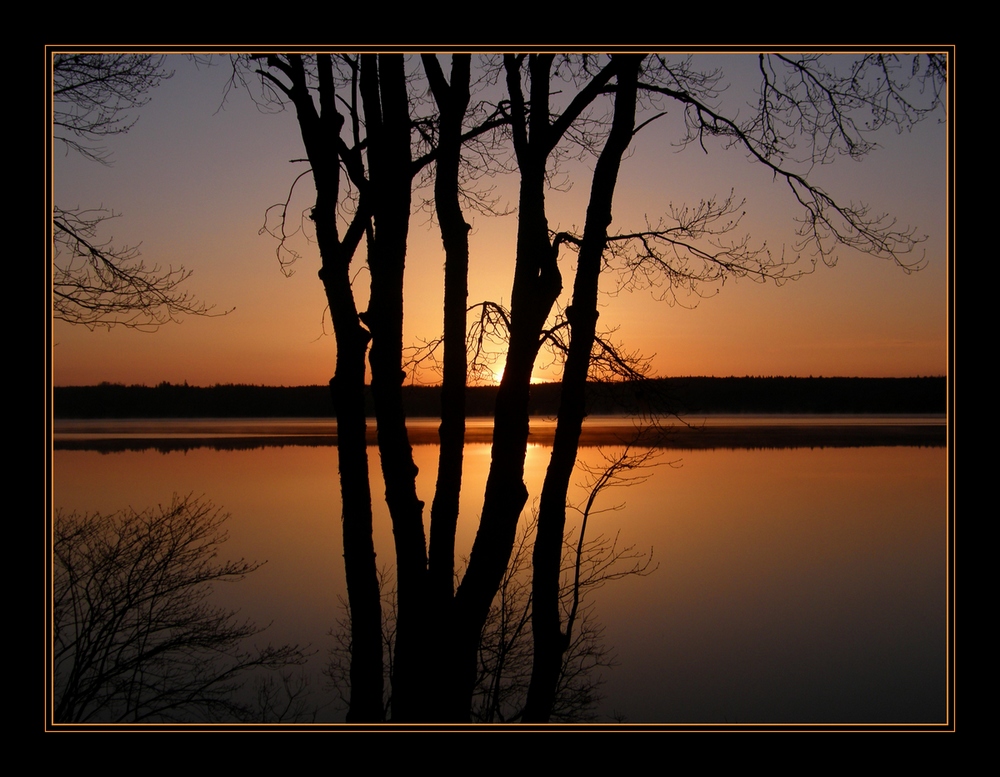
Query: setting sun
x,y
648,241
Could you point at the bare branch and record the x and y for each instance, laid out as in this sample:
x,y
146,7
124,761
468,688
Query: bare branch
x,y
603,561
609,361
286,255
94,96
96,284
135,635
804,98
686,250
338,668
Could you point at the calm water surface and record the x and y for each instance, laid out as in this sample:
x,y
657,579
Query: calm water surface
x,y
793,584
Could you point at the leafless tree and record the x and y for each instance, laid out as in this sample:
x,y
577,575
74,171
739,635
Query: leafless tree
x,y
136,637
505,649
810,109
371,136
96,283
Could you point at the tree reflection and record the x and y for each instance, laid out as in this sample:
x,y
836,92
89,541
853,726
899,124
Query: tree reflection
x,y
136,638
506,650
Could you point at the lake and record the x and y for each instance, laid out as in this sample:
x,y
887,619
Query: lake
x,y
797,580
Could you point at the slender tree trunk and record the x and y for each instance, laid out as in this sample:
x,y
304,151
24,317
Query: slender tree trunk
x,y
363,595
445,702
550,642
320,134
452,103
383,91
537,284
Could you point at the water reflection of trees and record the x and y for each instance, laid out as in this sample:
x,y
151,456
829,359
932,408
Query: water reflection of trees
x,y
505,652
136,638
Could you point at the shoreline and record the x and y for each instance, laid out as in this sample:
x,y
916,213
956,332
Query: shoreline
x,y
704,432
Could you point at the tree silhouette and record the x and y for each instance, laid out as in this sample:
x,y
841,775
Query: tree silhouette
x,y
505,653
135,637
96,283
376,126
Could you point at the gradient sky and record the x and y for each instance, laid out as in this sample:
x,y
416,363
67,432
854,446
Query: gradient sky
x,y
193,179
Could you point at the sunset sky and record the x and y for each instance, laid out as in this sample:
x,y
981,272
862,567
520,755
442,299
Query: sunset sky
x,y
194,177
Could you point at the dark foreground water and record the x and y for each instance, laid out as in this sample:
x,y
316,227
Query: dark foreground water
x,y
793,584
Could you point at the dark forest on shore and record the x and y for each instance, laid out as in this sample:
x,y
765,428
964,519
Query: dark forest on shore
x,y
772,395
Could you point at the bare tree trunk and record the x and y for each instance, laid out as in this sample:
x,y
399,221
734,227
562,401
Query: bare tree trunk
x,y
445,703
537,284
363,594
383,91
452,102
549,640
347,386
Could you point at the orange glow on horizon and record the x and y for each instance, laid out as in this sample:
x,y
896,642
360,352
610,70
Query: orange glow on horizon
x,y
863,318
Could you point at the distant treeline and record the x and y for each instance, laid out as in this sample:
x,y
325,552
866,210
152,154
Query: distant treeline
x,y
663,395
